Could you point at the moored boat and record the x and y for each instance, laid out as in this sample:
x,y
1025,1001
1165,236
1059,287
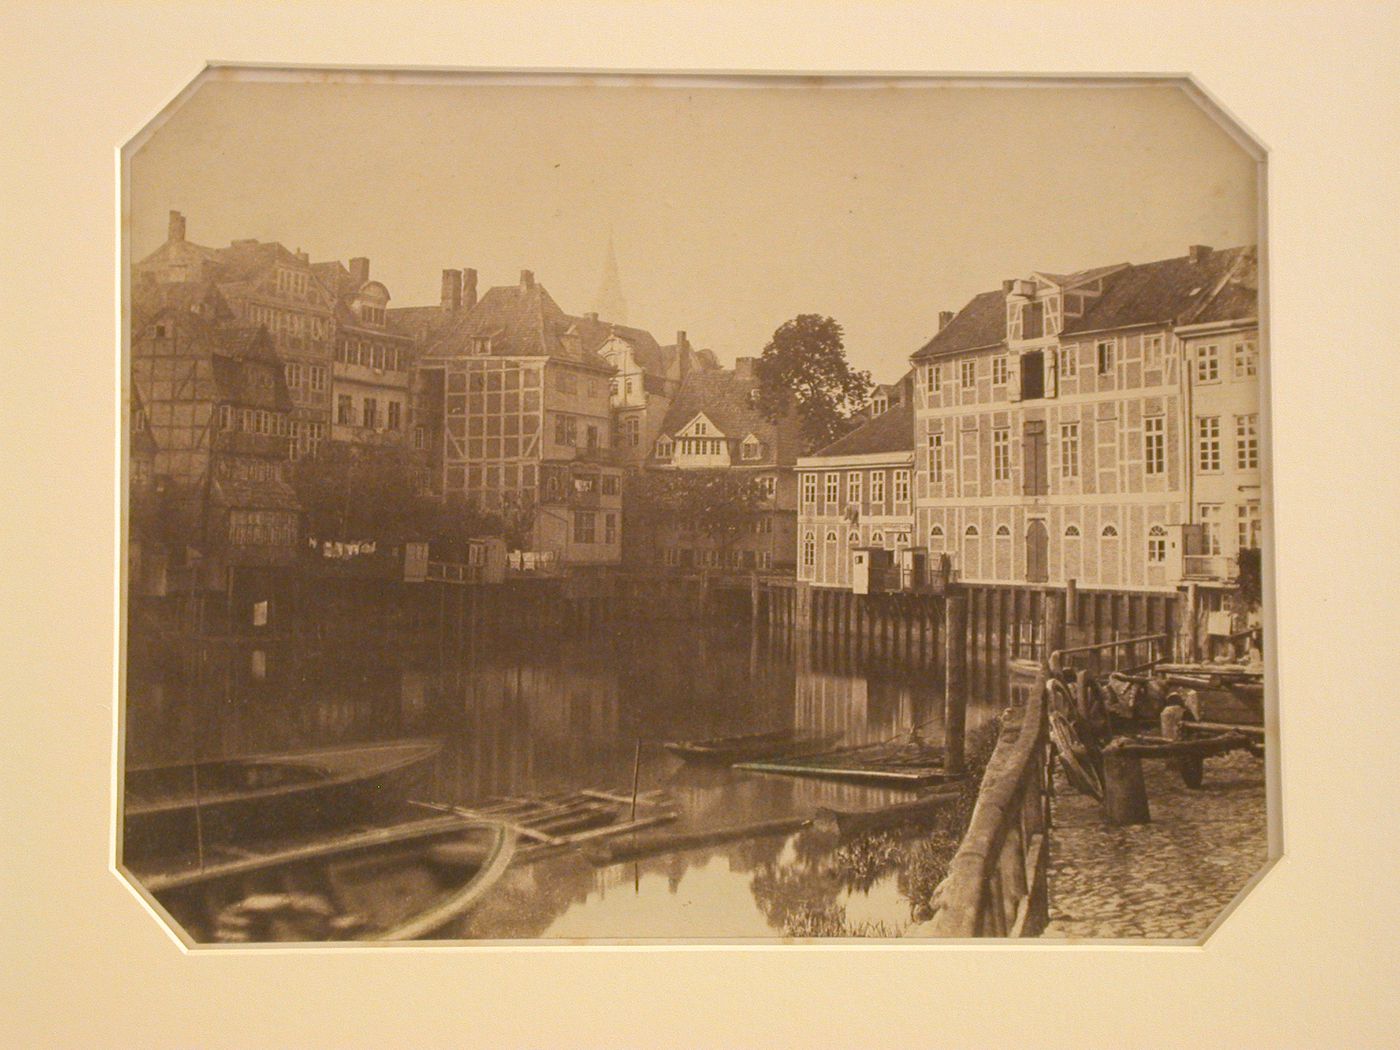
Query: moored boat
x,y
174,808
911,763
727,750
403,881
919,811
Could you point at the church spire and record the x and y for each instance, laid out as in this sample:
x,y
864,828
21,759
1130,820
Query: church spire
x,y
610,304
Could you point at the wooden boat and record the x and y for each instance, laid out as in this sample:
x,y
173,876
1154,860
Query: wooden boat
x,y
919,811
907,764
726,750
166,809
398,882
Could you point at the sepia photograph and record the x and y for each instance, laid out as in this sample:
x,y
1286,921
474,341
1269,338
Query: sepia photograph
x,y
689,509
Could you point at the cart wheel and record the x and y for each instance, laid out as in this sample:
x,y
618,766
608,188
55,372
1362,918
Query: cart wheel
x,y
1192,769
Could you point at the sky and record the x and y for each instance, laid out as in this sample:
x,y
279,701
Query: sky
x,y
732,209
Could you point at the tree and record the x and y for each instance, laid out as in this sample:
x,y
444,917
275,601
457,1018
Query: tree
x,y
804,369
720,504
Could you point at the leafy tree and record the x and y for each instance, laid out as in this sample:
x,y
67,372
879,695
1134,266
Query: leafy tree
x,y
1251,577
719,504
804,368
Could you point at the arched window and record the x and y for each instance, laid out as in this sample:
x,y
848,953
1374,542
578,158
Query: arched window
x,y
1003,532
877,539
1156,544
1110,532
1072,532
830,535
809,550
935,533
972,532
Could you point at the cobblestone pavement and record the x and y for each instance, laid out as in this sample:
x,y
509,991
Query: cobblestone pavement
x,y
1166,879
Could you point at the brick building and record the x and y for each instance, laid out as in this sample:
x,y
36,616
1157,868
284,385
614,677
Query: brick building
x,y
1052,423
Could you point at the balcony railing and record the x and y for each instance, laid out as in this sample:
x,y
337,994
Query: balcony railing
x,y
1207,567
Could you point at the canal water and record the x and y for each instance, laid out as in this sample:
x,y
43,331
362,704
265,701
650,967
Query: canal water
x,y
531,716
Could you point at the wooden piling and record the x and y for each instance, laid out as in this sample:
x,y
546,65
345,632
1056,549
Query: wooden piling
x,y
1125,790
954,682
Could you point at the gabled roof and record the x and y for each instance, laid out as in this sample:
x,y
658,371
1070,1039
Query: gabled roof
x,y
726,398
891,431
645,350
150,298
1163,292
979,324
1236,297
521,321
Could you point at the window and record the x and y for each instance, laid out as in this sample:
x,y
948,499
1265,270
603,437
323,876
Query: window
x,y
1152,350
764,525
591,436
1208,363
751,449
877,487
933,378
225,417
318,377
935,458
701,429
877,539
1208,444
935,536
833,490
901,486
1107,352
371,412
809,489
969,374
971,532
610,529
632,430
1248,524
291,283
768,485
345,410
663,448
1156,545
420,437
585,527
1003,532
1069,450
1154,444
1246,359
1110,532
395,410
879,406
1210,526
809,550
1001,454
1247,442
1069,361
830,535
609,485
585,484
1072,532
565,430
1000,371
481,345
293,371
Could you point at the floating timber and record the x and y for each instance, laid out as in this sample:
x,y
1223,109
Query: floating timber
x,y
727,750
905,764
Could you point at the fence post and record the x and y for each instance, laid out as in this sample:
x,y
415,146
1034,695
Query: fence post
x,y
954,682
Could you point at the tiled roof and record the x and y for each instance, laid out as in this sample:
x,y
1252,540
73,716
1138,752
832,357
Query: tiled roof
x,y
981,323
1237,297
264,495
891,431
727,399
521,321
1162,292
196,298
645,350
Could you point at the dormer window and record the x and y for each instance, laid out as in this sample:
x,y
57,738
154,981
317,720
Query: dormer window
x,y
880,405
290,282
481,344
372,314
700,429
751,448
663,447
1032,320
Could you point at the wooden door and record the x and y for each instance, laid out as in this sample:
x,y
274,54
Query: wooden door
x,y
1037,552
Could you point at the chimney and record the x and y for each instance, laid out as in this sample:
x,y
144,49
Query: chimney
x,y
743,367
944,316
1198,253
527,280
591,317
303,257
682,344
176,230
469,288
451,290
359,269
1006,287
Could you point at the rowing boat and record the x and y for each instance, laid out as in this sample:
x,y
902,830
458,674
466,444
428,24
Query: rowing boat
x,y
398,882
920,812
896,764
726,750
169,808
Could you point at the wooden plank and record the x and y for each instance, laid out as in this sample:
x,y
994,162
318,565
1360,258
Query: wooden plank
x,y
605,855
524,830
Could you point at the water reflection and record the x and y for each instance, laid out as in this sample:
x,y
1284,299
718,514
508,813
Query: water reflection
x,y
532,716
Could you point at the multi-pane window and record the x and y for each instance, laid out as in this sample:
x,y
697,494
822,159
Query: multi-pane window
x,y
371,412
1207,363
877,488
293,374
420,437
1069,361
344,410
663,448
609,485
809,550
1001,454
935,458
853,488
633,430
318,377
768,485
585,527
1107,352
395,411
901,486
225,417
1247,442
1249,524
968,374
833,490
1208,444
1154,444
809,489
610,529
1210,526
1000,370
565,430
1156,545
750,448
1069,450
1246,359
1152,350
933,377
